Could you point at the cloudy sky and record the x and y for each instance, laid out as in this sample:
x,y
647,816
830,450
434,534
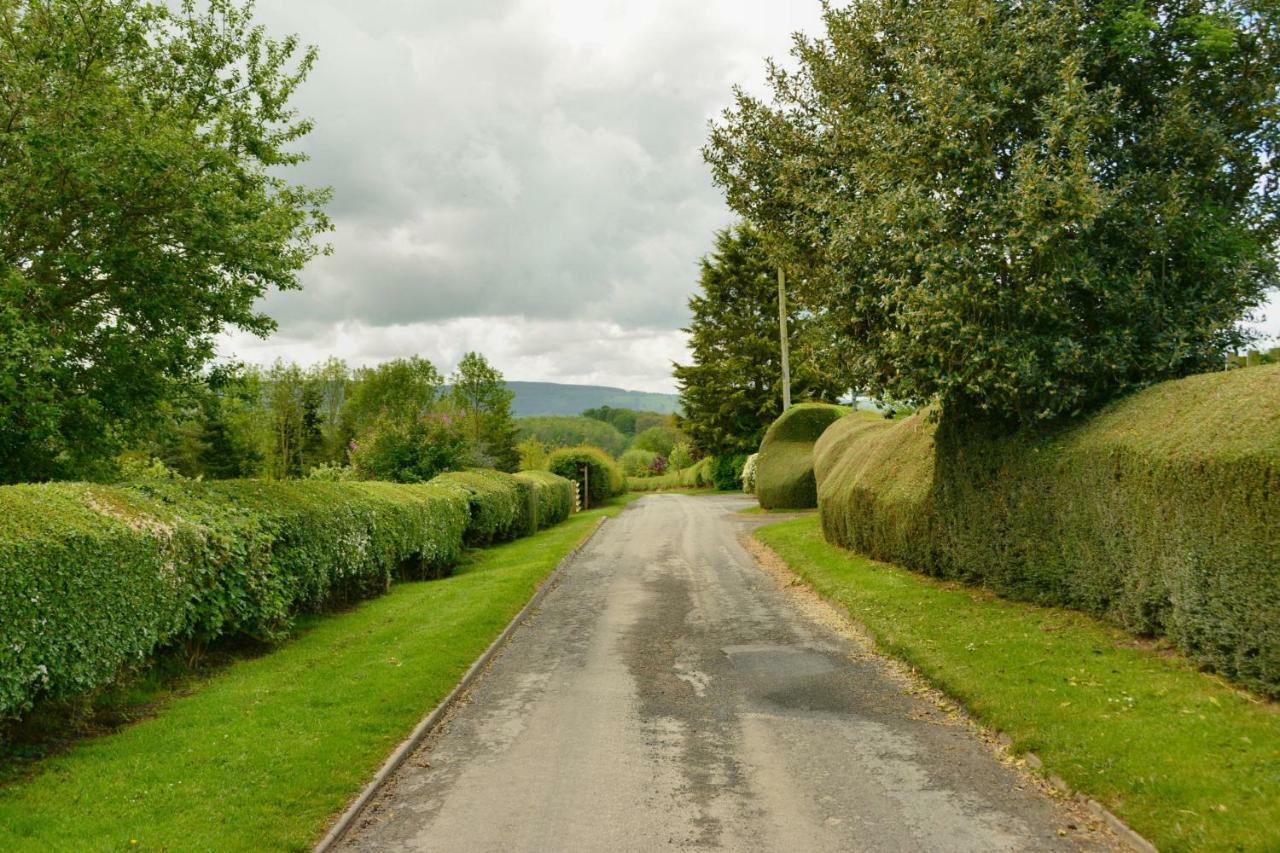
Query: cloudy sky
x,y
518,177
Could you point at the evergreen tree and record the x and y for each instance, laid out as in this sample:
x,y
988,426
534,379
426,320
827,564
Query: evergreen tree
x,y
732,390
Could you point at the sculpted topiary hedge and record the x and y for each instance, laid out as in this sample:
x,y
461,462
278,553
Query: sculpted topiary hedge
x,y
604,476
1161,512
93,579
784,466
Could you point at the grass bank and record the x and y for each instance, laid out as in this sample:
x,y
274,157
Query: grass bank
x,y
261,755
1187,760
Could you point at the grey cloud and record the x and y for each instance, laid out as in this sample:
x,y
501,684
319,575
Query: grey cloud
x,y
491,159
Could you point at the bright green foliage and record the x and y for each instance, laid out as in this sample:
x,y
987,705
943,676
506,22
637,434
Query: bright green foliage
x,y
281,741
502,506
553,495
533,455
1162,512
698,475
570,431
412,452
479,392
294,422
401,391
623,420
96,578
636,462
144,210
732,390
604,476
1183,758
660,440
1020,209
680,457
655,483
784,468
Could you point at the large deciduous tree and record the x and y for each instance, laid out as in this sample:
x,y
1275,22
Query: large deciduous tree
x,y
143,209
732,389
481,395
1021,209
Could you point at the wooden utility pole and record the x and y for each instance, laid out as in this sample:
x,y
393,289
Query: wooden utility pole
x,y
782,335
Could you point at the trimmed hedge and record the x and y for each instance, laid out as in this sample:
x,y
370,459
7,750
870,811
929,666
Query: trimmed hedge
x,y
553,497
698,475
94,579
502,506
784,468
605,478
1161,512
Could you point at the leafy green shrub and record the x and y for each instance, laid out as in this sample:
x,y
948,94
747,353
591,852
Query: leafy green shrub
x,y
332,473
680,457
605,478
784,469
749,474
1162,512
636,462
659,440
726,471
655,483
501,506
698,475
411,452
557,431
93,579
553,496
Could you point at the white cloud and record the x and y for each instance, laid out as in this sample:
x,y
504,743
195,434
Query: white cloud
x,y
590,352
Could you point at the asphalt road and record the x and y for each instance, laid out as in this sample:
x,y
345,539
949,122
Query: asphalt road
x,y
670,693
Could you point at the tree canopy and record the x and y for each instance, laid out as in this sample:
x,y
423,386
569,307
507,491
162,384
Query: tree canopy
x,y
1020,209
484,401
732,390
143,209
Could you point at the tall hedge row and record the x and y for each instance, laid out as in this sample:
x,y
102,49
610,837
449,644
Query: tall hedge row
x,y
94,579
1161,512
784,467
499,505
553,497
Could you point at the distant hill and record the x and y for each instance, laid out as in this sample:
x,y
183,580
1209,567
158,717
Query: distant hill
x,y
552,398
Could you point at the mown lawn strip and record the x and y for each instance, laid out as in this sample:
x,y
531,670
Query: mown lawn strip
x,y
264,753
1188,761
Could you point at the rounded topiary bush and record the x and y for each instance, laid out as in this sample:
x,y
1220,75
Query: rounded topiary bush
x,y
603,475
784,467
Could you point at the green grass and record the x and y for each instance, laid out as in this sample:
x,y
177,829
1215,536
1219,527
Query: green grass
x,y
759,510
263,754
1187,760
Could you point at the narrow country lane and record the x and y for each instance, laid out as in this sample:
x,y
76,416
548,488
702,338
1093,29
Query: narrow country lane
x,y
670,694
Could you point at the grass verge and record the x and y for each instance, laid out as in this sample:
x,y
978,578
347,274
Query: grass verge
x,y
1188,761
261,755
759,510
